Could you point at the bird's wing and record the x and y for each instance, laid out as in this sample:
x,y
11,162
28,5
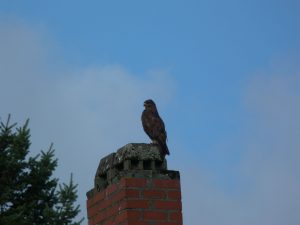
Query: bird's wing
x,y
161,135
159,129
147,122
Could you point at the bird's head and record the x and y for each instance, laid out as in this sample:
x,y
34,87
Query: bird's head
x,y
150,105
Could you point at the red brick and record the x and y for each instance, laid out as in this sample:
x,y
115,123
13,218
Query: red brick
x,y
124,193
131,193
166,183
174,194
100,217
104,204
167,205
168,223
133,182
177,216
134,204
91,221
111,189
128,215
112,211
109,222
136,223
120,217
118,196
92,211
154,215
154,194
99,196
133,214
137,204
89,202
94,208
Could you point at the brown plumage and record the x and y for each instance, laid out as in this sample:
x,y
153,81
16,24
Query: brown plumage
x,y
154,126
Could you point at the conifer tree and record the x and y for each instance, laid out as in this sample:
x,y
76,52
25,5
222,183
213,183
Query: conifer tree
x,y
29,195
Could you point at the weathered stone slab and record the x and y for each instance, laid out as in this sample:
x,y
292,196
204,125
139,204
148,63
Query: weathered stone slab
x,y
138,151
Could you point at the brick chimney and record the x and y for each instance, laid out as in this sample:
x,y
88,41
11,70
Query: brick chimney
x,y
134,187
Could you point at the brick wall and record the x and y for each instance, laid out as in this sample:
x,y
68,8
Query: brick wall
x,y
137,201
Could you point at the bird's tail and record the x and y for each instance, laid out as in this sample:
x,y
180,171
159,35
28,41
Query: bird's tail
x,y
164,148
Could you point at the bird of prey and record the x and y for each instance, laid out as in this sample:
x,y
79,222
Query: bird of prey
x,y
154,126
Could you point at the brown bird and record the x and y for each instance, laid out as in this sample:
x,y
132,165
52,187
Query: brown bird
x,y
154,126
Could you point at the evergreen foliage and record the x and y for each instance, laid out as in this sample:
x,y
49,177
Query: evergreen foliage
x,y
29,195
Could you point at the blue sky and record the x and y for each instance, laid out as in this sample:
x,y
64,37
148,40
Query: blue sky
x,y
224,74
